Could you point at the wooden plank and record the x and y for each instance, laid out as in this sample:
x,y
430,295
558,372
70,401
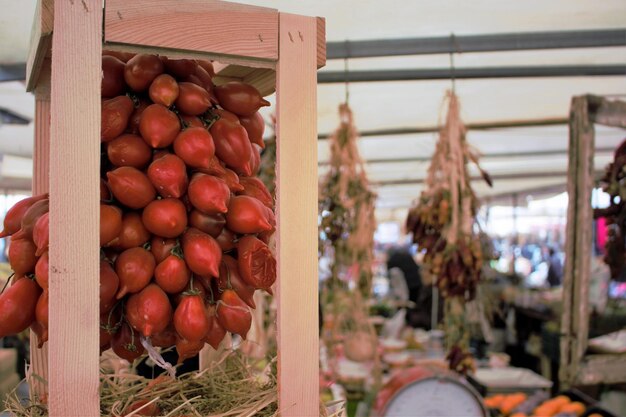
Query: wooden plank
x,y
264,79
297,324
41,167
40,41
602,369
607,112
195,25
570,247
584,233
74,209
321,42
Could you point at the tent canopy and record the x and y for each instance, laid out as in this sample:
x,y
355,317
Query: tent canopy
x,y
520,159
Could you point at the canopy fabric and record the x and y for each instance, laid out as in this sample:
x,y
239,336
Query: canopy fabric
x,y
520,159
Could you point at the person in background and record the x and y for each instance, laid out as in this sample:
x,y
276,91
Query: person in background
x,y
401,258
555,269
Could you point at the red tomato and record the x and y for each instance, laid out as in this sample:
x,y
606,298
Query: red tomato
x,y
240,98
41,235
232,145
125,343
214,168
202,253
180,68
166,217
134,267
255,159
247,215
216,332
211,224
255,126
227,240
164,339
129,151
133,232
254,187
110,223
109,284
149,311
231,179
190,320
105,193
162,247
187,348
225,114
195,146
122,56
141,70
115,115
22,256
13,217
207,66
135,117
191,121
208,194
168,174
192,99
17,306
112,77
29,219
233,314
257,265
159,126
164,90
172,274
131,187
231,279
41,271
41,318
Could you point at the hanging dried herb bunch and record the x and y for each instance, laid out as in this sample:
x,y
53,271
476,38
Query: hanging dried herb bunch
x,y
347,205
443,224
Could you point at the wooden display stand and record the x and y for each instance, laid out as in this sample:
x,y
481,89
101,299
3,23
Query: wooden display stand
x,y
271,50
578,368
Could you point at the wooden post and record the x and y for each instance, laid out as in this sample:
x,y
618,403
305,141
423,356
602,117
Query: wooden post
x,y
298,344
74,209
41,167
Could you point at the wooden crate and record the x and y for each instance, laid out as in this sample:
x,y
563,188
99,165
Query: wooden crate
x,y
577,367
271,50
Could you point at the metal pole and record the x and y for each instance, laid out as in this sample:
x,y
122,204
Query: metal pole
x,y
328,77
477,43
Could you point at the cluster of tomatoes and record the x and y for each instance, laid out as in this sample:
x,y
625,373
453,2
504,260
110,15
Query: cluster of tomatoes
x,y
184,222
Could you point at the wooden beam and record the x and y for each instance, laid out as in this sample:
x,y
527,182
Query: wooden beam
x,y
607,112
40,41
40,184
483,157
321,42
74,209
500,124
194,25
513,176
296,162
574,322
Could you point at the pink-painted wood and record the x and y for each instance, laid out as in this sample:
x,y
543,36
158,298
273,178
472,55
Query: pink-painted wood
x,y
195,25
41,167
73,353
298,344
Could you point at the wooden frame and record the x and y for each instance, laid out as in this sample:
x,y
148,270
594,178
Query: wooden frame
x,y
271,50
578,368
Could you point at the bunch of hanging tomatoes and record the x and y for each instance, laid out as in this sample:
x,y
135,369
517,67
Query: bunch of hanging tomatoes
x,y
184,222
